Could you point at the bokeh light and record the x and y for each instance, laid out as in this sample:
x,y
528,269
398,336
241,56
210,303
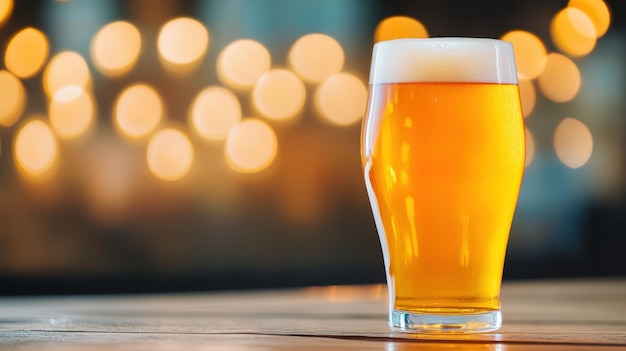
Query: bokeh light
x,y
528,95
169,154
251,146
138,110
398,27
341,99
26,52
71,112
115,48
279,94
183,41
573,32
560,80
573,143
316,56
6,7
530,52
66,68
13,98
598,12
530,148
242,63
35,149
214,112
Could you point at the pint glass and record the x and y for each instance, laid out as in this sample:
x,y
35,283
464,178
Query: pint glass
x,y
443,153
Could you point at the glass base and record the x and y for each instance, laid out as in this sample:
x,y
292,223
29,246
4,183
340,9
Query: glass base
x,y
445,323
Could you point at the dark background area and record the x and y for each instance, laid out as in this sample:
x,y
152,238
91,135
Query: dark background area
x,y
306,219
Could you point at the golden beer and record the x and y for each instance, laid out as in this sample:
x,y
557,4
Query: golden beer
x,y
443,161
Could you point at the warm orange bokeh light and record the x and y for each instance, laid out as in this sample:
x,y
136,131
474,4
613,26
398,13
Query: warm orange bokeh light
x,y
214,112
138,110
13,98
398,27
26,52
242,63
573,32
183,41
169,154
6,7
530,148
560,80
573,143
316,56
71,112
35,148
251,146
528,95
279,94
530,52
341,99
598,12
66,68
115,48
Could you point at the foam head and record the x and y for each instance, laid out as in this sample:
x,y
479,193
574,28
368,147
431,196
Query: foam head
x,y
443,60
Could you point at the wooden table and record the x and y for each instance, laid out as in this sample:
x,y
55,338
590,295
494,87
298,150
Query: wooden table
x,y
580,314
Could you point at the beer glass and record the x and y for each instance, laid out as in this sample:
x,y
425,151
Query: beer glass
x,y
443,151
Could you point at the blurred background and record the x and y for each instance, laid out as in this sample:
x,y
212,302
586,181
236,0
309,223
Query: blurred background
x,y
150,146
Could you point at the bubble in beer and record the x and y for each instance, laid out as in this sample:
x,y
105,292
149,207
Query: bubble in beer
x,y
573,143
398,27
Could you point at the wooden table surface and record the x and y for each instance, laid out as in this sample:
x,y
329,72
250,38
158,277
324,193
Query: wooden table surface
x,y
579,314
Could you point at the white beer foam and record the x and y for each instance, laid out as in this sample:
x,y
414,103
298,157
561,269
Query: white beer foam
x,y
443,60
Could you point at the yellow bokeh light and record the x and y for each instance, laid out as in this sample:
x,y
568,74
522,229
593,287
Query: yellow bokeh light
x,y
398,27
71,112
115,48
13,98
6,7
316,56
573,32
35,148
242,63
598,12
530,148
530,52
528,95
138,111
573,143
214,112
66,68
341,99
560,80
169,154
183,41
251,146
279,94
26,52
